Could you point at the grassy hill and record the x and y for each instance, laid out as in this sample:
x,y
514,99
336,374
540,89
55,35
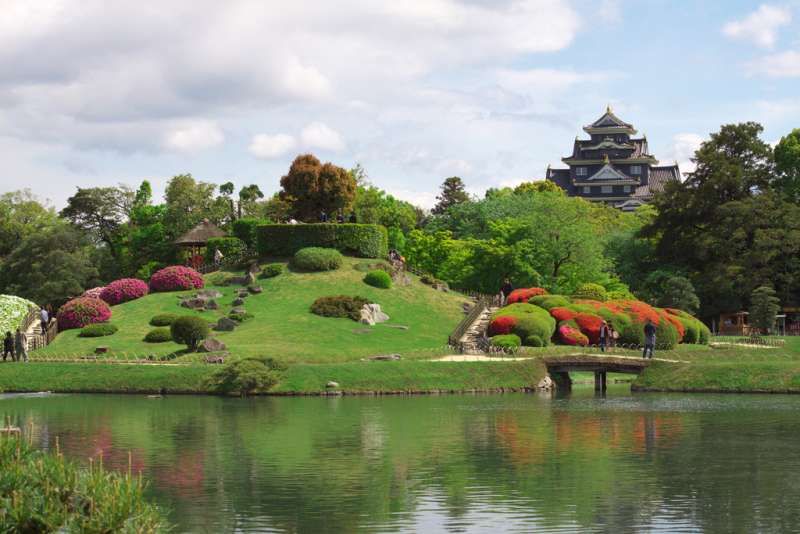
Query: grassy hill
x,y
283,326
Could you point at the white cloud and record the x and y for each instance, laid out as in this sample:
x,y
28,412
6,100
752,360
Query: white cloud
x,y
194,136
610,11
682,150
265,146
759,27
320,135
782,65
453,167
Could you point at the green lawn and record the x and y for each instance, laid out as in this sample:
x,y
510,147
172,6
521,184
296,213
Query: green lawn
x,y
283,326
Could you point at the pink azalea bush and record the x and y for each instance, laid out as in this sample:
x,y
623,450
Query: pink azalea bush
x,y
176,278
93,293
81,311
124,290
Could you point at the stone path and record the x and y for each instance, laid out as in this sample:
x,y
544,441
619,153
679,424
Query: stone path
x,y
474,340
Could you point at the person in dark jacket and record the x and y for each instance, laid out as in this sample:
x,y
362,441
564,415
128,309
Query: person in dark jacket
x,y
605,335
505,290
649,339
353,219
8,346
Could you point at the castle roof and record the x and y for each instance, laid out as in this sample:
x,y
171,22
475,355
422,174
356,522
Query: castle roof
x,y
659,178
609,122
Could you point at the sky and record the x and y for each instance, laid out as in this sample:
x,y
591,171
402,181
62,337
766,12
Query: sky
x,y
96,93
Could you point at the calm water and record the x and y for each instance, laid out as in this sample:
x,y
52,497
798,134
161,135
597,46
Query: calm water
x,y
515,463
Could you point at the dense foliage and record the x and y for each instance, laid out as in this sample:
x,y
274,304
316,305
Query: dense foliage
x,y
189,331
378,278
764,308
163,319
339,306
13,311
246,230
43,492
98,330
176,278
271,270
247,376
364,240
123,290
82,311
230,247
158,335
317,259
312,188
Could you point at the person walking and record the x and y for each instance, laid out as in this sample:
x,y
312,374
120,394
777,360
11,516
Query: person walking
x,y
505,291
20,347
8,346
353,218
605,335
44,317
649,339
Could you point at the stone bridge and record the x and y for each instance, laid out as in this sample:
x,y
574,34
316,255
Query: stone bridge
x,y
559,367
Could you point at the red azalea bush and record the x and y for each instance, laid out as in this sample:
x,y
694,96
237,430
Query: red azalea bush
x,y
93,293
562,314
672,319
81,311
639,311
502,325
590,326
569,335
176,278
522,295
124,290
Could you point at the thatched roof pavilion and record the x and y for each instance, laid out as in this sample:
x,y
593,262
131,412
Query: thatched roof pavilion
x,y
198,236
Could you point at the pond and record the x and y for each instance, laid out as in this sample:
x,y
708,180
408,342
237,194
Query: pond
x,y
485,463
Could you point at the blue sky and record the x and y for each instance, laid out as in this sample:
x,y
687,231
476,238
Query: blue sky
x,y
98,93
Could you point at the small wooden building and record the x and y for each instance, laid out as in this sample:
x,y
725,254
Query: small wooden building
x,y
195,240
734,324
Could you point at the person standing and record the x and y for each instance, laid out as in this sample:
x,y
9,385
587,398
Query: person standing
x,y
44,317
8,346
218,257
649,339
605,335
505,290
340,217
353,218
20,347
323,217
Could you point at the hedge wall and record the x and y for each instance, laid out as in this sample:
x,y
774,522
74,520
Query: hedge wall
x,y
365,240
230,247
246,229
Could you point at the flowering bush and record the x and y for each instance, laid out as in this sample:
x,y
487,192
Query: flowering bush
x,y
12,312
502,325
549,301
590,291
522,295
506,342
570,335
590,326
176,278
562,314
529,321
81,311
124,290
93,293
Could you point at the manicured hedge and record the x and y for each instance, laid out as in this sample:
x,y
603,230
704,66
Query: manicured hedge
x,y
272,270
317,259
158,335
507,342
246,229
98,330
365,240
378,278
176,278
591,292
529,321
124,290
231,247
163,319
189,331
81,311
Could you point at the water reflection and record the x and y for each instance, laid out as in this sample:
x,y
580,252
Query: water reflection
x,y
460,463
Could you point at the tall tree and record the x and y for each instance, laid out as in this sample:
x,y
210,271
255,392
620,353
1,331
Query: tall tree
x,y
21,214
787,163
764,307
101,212
249,195
226,191
188,202
312,187
144,195
452,193
678,292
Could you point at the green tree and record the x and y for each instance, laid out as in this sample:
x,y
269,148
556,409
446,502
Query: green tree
x,y
452,193
101,212
249,195
51,266
188,202
764,307
787,163
144,195
539,186
678,292
312,187
375,206
21,215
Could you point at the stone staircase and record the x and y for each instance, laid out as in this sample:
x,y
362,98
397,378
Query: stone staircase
x,y
36,337
474,340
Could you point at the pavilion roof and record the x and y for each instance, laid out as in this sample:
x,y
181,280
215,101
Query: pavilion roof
x,y
200,234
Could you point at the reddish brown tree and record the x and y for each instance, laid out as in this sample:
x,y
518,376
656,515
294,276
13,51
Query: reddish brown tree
x,y
313,187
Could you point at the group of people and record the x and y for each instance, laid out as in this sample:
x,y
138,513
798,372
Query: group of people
x,y
608,335
16,345
340,218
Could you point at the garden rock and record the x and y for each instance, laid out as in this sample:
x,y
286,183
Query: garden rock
x,y
238,309
255,290
384,358
243,294
371,314
209,294
332,385
239,301
215,359
194,303
546,384
211,345
101,350
225,325
212,305
249,279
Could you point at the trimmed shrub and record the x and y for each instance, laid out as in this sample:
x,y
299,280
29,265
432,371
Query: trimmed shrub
x,y
189,331
507,342
590,326
318,259
549,301
272,270
380,279
530,321
590,291
666,336
240,317
163,319
98,330
81,311
158,335
247,376
231,247
124,290
246,229
502,326
525,294
705,333
364,240
93,293
339,306
562,314
569,334
534,341
176,278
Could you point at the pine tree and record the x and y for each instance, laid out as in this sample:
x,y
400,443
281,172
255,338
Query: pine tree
x,y
453,193
764,307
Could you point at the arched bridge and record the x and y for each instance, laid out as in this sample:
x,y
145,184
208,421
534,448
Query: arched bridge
x,y
559,367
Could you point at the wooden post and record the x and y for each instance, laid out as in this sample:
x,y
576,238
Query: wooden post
x,y
599,380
